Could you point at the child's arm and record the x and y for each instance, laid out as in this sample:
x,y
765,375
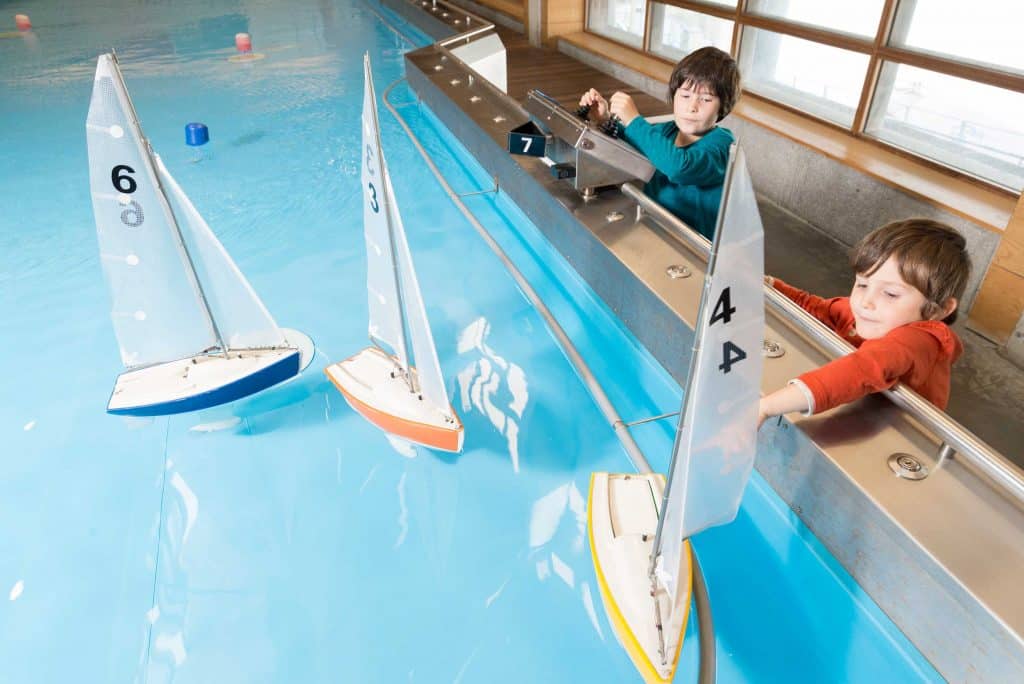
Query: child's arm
x,y
877,365
792,397
692,165
825,310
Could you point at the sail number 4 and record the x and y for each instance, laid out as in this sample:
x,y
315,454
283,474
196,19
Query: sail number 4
x,y
133,217
724,311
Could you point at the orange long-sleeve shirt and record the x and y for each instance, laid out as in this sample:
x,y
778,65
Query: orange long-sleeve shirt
x,y
919,354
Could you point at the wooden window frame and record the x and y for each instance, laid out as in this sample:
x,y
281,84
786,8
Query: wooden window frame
x,y
877,49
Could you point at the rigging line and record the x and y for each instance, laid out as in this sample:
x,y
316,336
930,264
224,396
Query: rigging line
x,y
586,375
651,419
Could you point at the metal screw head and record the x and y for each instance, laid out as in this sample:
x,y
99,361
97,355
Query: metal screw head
x,y
498,119
613,216
474,98
587,144
455,81
677,271
907,466
772,349
438,67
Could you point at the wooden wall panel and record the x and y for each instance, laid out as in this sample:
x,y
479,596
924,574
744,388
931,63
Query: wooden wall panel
x,y
1000,300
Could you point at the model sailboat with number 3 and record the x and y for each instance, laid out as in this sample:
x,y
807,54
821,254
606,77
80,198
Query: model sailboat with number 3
x,y
192,331
381,382
639,527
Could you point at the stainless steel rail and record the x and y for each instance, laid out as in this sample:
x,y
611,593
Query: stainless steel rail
x,y
972,449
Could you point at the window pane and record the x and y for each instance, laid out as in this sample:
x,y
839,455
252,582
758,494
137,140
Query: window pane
x,y
621,20
859,18
676,32
960,123
819,79
988,33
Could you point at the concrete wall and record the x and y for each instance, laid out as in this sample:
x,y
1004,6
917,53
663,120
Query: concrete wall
x,y
841,201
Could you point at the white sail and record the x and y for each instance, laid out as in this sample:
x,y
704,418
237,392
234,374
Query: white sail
x,y
156,309
716,442
431,382
242,319
381,275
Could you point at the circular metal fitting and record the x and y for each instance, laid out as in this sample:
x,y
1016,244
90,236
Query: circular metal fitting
x,y
677,271
587,144
772,349
907,466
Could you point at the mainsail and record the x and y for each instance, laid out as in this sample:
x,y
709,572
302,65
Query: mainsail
x,y
382,280
397,313
716,442
157,307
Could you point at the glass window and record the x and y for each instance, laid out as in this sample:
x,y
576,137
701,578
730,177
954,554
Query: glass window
x,y
676,32
960,123
859,18
819,79
987,34
621,20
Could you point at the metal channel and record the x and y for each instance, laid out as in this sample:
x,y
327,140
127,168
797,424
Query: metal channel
x,y
705,625
973,450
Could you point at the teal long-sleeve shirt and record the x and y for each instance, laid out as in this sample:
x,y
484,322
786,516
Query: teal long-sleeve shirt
x,y
687,180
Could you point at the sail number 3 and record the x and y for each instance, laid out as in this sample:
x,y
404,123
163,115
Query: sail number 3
x,y
132,216
374,204
724,311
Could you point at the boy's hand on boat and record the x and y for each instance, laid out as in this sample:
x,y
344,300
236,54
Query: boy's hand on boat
x,y
622,106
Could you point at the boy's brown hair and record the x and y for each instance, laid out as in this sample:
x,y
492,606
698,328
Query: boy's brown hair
x,y
709,67
932,257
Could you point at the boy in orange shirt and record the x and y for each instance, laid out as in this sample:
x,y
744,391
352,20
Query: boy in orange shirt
x,y
910,276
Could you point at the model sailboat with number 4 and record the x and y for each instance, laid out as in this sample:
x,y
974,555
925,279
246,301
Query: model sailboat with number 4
x,y
381,382
639,526
192,331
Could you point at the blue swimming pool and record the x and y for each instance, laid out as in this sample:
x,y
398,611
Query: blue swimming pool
x,y
282,538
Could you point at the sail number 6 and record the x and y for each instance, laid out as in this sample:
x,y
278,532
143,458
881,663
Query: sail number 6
x,y
724,311
133,216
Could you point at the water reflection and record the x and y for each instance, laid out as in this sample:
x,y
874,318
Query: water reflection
x,y
491,384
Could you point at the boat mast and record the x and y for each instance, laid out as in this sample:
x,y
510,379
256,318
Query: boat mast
x,y
403,343
147,156
698,333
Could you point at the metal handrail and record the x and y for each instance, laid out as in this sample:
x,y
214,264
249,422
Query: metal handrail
x,y
973,450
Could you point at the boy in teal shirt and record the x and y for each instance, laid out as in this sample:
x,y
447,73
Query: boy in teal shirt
x,y
690,152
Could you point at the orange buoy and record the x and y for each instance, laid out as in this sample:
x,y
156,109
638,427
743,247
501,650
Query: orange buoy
x,y
243,42
22,22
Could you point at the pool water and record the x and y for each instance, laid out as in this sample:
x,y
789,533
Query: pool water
x,y
282,538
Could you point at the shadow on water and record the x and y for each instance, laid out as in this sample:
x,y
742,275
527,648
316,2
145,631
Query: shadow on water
x,y
248,138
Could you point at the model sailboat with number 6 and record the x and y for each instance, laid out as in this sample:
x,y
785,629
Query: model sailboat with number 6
x,y
192,331
380,382
639,526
